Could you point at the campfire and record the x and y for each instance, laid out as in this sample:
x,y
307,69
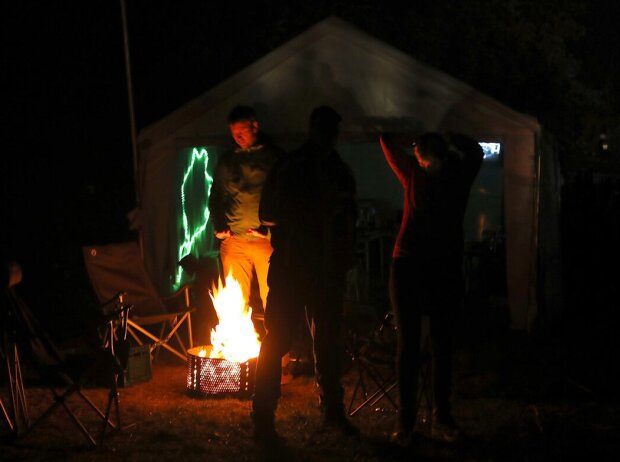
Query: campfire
x,y
228,364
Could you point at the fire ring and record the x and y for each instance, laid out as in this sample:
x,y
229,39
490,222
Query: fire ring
x,y
213,376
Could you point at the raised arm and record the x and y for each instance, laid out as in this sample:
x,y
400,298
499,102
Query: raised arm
x,y
469,152
398,160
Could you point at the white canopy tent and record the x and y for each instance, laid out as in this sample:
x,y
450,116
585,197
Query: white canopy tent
x,y
376,88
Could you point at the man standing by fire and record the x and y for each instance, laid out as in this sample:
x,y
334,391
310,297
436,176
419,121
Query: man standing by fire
x,y
309,203
426,275
235,197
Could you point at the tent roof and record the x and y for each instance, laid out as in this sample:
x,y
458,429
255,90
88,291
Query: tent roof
x,y
336,63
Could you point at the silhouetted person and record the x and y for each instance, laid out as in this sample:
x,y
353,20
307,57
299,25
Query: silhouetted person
x,y
426,274
309,203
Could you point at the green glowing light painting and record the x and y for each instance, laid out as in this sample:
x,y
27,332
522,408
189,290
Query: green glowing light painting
x,y
195,232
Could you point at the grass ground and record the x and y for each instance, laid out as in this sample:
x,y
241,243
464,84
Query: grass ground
x,y
512,399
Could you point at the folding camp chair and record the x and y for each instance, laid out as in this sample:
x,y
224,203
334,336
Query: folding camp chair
x,y
24,339
117,270
374,357
15,411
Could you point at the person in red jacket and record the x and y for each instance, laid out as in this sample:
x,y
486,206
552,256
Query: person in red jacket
x,y
426,272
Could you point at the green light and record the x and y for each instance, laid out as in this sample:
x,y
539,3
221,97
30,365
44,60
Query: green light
x,y
190,235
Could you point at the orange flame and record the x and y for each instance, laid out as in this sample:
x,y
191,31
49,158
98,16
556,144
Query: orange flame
x,y
234,338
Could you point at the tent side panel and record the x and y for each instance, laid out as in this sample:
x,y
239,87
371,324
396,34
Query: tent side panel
x,y
520,220
158,228
550,293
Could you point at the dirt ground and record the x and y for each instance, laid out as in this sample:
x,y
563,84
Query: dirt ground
x,y
513,399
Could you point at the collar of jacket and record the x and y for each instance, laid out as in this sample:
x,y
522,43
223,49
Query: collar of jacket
x,y
254,147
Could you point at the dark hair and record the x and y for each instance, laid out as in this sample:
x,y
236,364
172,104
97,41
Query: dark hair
x,y
239,113
432,144
323,117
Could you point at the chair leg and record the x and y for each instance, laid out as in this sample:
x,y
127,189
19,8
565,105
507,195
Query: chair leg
x,y
60,400
187,318
368,372
94,407
190,333
384,386
19,406
112,399
80,425
361,384
383,392
7,417
180,343
158,341
134,335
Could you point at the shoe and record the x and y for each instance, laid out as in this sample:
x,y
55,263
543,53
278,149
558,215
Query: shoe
x,y
445,432
339,422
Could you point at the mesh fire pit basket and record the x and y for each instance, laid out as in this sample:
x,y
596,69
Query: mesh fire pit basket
x,y
212,376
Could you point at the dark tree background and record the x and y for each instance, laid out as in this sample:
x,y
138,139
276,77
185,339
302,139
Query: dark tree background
x,y
67,162
554,59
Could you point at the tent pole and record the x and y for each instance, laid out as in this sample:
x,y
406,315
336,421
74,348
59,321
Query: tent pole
x,y
132,120
533,298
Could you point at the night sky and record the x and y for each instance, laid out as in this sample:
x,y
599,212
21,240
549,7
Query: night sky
x,y
67,161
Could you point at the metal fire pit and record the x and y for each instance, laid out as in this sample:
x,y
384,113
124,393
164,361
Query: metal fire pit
x,y
212,376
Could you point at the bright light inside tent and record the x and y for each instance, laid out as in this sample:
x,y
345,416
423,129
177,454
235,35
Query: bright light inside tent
x,y
491,150
199,162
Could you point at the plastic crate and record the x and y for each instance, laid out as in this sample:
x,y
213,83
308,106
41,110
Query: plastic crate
x,y
138,366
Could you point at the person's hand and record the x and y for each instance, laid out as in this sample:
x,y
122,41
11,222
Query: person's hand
x,y
255,233
223,234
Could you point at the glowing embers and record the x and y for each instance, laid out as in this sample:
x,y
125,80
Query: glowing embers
x,y
211,376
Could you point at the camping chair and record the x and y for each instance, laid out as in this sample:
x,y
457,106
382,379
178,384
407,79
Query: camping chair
x,y
118,270
15,412
64,375
374,357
